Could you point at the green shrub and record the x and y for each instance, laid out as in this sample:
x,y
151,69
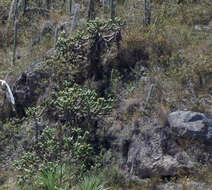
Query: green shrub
x,y
74,141
77,104
42,156
91,183
83,52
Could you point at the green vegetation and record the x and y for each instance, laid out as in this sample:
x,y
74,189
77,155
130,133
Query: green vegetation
x,y
71,141
91,183
62,141
76,103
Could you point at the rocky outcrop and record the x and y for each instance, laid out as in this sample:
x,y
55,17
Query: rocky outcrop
x,y
164,151
28,88
186,185
191,125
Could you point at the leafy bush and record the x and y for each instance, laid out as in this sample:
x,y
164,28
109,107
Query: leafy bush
x,y
77,104
71,141
82,52
42,156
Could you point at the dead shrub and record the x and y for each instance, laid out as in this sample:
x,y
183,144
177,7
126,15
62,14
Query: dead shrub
x,y
133,49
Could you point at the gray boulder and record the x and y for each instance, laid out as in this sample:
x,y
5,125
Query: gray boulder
x,y
175,150
147,157
190,125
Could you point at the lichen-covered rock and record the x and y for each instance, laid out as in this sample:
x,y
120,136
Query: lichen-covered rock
x,y
28,88
164,151
190,125
191,185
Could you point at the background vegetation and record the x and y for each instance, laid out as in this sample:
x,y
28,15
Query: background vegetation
x,y
98,74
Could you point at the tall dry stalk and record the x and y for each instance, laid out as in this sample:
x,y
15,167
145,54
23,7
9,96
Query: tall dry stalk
x,y
76,17
70,7
112,9
147,7
91,11
15,42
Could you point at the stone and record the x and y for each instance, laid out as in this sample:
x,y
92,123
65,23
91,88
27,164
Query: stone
x,y
191,185
28,88
174,150
190,125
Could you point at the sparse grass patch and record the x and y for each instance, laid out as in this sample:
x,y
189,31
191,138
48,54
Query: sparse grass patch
x,y
169,46
205,174
6,38
91,183
197,13
7,180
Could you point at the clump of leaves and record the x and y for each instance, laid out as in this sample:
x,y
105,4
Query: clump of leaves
x,y
82,52
43,159
77,104
53,180
10,133
68,141
91,183
41,156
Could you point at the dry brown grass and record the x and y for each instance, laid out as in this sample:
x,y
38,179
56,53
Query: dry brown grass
x,y
178,55
7,180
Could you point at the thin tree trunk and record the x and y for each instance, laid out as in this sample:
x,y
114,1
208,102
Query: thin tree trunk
x,y
112,9
48,4
70,7
15,42
147,5
56,36
76,17
91,13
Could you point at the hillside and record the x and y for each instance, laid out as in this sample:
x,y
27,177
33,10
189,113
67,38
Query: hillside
x,y
108,94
